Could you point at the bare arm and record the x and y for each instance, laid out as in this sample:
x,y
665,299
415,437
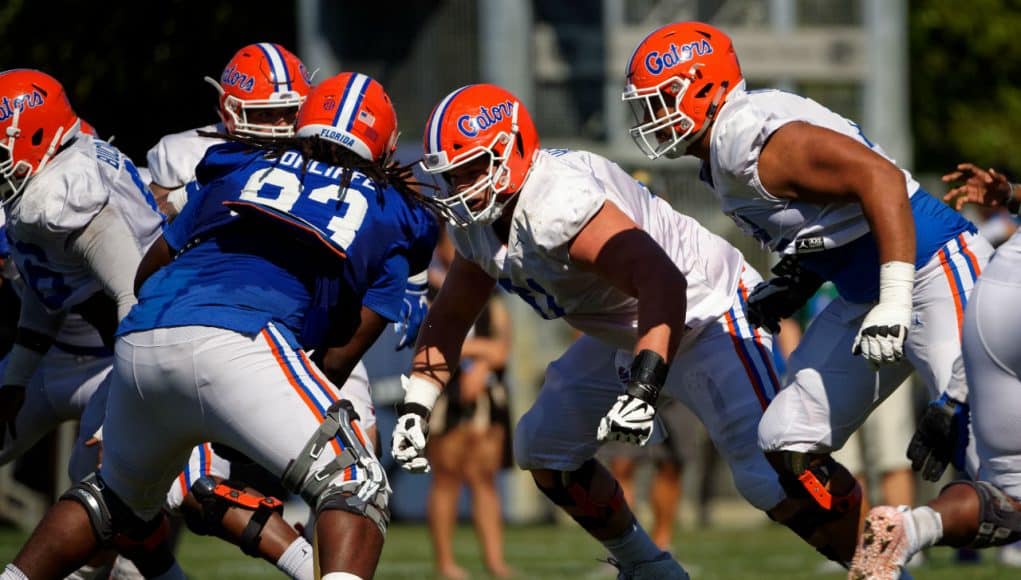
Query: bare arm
x,y
817,165
463,296
495,348
159,255
613,246
339,361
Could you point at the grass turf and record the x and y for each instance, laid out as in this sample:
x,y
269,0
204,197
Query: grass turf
x,y
767,552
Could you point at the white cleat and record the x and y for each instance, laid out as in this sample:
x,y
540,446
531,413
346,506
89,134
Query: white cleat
x,y
664,567
887,542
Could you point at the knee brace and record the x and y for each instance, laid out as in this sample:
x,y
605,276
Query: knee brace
x,y
113,522
827,521
216,498
572,491
354,481
999,518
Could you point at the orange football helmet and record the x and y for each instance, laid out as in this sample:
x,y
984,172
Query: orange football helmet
x,y
677,80
472,122
352,110
36,119
261,78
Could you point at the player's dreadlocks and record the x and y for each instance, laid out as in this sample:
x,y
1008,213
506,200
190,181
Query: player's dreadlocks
x,y
390,174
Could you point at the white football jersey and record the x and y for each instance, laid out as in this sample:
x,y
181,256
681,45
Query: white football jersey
x,y
59,202
173,159
564,192
743,126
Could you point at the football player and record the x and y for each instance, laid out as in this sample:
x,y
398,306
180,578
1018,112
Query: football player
x,y
659,300
811,187
275,255
983,511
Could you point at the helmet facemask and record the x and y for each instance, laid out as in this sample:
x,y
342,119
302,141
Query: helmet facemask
x,y
234,113
668,135
456,208
16,174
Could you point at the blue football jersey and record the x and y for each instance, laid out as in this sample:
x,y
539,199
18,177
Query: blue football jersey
x,y
275,240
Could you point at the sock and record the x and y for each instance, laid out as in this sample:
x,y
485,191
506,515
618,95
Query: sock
x,y
928,526
633,547
172,573
12,572
341,576
296,561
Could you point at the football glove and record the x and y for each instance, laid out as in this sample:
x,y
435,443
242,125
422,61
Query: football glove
x,y
410,437
941,438
413,310
782,296
633,414
882,334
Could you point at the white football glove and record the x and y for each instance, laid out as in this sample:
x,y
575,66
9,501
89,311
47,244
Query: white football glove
x,y
409,442
880,339
375,479
630,420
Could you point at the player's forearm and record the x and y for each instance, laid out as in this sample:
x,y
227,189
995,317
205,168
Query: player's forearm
x,y
662,308
111,253
887,208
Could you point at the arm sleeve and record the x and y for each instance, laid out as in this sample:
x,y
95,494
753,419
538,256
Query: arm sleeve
x,y
385,296
22,362
112,255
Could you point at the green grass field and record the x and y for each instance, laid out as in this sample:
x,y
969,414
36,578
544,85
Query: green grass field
x,y
767,552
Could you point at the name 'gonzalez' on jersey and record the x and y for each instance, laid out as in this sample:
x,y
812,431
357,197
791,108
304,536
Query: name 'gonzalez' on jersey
x,y
315,250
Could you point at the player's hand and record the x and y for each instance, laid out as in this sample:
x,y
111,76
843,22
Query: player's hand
x,y
630,420
881,337
375,478
413,310
980,186
12,397
771,301
941,438
97,441
409,438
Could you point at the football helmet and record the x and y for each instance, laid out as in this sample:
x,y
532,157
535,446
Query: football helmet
x,y
476,122
677,80
352,110
260,80
36,119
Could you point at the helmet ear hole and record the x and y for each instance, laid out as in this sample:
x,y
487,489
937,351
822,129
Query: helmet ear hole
x,y
519,144
704,91
37,137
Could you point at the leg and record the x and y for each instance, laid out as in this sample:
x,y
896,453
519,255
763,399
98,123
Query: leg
x,y
447,453
665,497
829,396
322,455
486,510
556,442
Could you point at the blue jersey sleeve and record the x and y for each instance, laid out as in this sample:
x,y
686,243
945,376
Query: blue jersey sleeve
x,y
385,295
223,158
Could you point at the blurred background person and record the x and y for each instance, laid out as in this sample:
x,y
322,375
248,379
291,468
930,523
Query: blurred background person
x,y
469,439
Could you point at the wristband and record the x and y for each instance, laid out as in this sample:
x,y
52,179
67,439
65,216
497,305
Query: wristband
x,y
648,373
420,391
420,279
896,283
